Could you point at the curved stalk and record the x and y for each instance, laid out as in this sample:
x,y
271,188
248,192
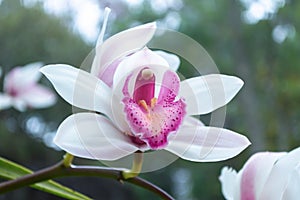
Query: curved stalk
x,y
136,168
61,170
68,158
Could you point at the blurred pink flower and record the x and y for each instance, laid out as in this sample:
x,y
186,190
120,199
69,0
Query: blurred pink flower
x,y
22,91
144,104
265,176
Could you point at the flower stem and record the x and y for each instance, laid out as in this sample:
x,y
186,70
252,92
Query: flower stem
x,y
136,168
60,170
68,158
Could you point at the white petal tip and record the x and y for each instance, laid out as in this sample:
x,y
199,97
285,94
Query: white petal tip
x,y
227,173
105,18
243,144
107,10
245,141
48,68
34,65
234,81
239,82
152,24
45,69
228,180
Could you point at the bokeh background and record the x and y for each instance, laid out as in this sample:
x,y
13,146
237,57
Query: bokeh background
x,y
257,40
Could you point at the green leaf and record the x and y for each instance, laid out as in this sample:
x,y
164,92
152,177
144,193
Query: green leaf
x,y
11,170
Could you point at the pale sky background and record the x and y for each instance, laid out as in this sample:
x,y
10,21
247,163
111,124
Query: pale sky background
x,y
85,14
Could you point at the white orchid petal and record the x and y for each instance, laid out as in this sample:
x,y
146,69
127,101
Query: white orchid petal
x,y
228,180
206,93
5,101
172,59
276,182
142,58
30,73
93,136
206,144
19,104
119,114
20,77
292,189
267,175
121,44
103,28
38,97
79,88
255,173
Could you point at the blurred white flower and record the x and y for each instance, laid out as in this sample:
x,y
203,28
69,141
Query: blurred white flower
x,y
265,176
22,91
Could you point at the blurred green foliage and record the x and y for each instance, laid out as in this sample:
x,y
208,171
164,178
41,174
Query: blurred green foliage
x,y
266,110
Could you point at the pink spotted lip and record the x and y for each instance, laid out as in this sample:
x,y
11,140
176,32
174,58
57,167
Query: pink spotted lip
x,y
152,119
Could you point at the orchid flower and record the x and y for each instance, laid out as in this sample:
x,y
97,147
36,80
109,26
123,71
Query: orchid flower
x,y
265,176
138,103
22,91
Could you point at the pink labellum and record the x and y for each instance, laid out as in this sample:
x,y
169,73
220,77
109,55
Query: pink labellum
x,y
152,121
144,86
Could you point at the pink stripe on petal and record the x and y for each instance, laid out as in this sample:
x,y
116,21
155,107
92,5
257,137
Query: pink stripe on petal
x,y
255,174
125,89
37,96
107,75
248,182
20,77
170,87
10,81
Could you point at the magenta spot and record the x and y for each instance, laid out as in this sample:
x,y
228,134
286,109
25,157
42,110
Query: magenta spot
x,y
169,88
152,125
155,126
137,141
13,92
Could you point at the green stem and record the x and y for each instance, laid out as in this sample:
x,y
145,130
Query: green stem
x,y
60,170
68,158
136,168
